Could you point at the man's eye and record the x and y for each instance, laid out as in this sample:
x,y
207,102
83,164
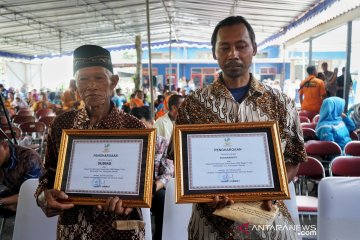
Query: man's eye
x,y
224,48
241,46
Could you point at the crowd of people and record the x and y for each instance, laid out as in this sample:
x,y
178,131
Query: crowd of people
x,y
93,101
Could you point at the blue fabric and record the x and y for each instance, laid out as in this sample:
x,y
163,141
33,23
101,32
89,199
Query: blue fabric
x,y
331,125
239,93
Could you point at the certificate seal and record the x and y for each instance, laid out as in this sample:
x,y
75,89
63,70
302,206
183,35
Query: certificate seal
x,y
224,177
96,182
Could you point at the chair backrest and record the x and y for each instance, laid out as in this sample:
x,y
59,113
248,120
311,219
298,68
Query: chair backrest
x,y
176,217
352,148
323,149
147,219
30,221
18,119
32,127
313,168
309,134
16,130
316,118
339,208
3,120
44,112
308,125
47,120
345,166
308,114
304,119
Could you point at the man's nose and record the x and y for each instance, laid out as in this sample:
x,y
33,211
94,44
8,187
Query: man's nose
x,y
233,53
92,83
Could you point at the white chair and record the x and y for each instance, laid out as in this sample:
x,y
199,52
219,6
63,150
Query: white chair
x,y
339,208
147,219
176,216
30,221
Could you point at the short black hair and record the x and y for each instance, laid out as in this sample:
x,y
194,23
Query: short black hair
x,y
229,21
141,112
310,69
174,100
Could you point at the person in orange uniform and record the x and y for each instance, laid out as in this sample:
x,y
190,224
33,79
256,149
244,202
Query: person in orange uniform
x,y
312,91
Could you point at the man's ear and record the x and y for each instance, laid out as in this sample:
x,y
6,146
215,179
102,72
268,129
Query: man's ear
x,y
114,81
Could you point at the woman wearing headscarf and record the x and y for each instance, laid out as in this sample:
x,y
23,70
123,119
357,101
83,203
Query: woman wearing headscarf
x,y
333,124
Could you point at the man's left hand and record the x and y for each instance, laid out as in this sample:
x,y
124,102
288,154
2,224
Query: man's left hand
x,y
115,205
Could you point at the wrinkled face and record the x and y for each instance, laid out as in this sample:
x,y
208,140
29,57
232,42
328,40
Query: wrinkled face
x,y
234,50
95,85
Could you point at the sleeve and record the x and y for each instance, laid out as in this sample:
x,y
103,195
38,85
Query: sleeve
x,y
184,112
349,124
47,178
325,134
34,166
322,88
291,134
164,167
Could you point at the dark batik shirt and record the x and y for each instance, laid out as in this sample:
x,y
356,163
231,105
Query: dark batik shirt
x,y
86,222
24,163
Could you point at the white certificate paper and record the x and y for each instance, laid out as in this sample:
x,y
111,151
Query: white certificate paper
x,y
99,166
229,161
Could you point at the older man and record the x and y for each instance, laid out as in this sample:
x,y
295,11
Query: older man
x,y
234,98
95,82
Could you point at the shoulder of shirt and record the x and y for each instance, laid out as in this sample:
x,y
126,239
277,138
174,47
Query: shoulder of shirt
x,y
63,116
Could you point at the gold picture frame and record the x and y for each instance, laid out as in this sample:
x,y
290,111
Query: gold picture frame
x,y
96,164
208,165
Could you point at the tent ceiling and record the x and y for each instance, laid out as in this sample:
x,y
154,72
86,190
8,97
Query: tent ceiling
x,y
43,27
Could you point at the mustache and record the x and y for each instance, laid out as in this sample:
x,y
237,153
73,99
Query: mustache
x,y
233,64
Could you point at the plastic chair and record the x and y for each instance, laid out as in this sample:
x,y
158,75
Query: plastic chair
x,y
147,219
44,112
316,118
176,217
324,151
37,128
352,148
338,216
18,119
345,166
308,114
7,131
30,221
47,120
312,170
309,134
304,119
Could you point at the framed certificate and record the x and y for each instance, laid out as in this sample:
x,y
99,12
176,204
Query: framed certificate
x,y
96,164
243,161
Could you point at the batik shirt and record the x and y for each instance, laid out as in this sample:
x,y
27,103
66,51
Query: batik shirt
x,y
86,222
163,167
23,164
215,104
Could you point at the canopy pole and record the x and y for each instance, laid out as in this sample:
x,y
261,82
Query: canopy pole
x,y
150,72
170,70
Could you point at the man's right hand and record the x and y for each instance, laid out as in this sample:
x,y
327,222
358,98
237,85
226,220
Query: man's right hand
x,y
218,203
48,201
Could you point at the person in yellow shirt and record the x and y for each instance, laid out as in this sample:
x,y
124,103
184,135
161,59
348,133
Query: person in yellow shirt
x,y
312,91
70,98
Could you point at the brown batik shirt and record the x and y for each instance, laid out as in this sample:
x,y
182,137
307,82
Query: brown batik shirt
x,y
215,104
86,222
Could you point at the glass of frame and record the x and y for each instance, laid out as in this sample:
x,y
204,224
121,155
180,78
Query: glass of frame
x,y
243,161
96,164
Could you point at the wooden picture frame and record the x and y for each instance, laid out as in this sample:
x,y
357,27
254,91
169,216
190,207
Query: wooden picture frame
x,y
243,161
96,164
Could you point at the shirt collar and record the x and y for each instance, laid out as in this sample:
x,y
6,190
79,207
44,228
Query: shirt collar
x,y
82,119
221,90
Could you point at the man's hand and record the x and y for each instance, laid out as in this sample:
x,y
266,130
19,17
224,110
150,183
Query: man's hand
x,y
218,203
115,205
48,201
